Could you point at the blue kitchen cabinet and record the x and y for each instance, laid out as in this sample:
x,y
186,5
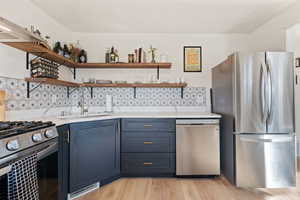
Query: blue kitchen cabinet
x,y
94,153
148,147
63,161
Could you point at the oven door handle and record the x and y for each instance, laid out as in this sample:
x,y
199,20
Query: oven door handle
x,y
47,151
5,170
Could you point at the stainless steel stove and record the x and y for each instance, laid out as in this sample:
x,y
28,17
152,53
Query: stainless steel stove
x,y
17,136
21,139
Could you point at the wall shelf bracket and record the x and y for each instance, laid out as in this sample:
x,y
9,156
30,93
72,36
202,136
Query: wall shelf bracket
x,y
182,95
32,89
27,60
73,71
157,72
92,92
134,92
69,92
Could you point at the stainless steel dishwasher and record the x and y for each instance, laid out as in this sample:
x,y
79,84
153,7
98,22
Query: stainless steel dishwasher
x,y
197,147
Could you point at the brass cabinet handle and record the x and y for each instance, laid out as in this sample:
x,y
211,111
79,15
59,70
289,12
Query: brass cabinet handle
x,y
148,142
148,163
147,125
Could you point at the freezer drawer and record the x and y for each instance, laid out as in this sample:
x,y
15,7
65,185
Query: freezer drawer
x,y
265,161
197,149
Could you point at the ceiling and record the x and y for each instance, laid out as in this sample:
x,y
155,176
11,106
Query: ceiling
x,y
163,16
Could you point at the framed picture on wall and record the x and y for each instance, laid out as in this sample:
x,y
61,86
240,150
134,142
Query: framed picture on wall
x,y
192,58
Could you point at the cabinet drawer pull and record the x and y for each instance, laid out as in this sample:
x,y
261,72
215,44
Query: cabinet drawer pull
x,y
147,125
148,163
148,142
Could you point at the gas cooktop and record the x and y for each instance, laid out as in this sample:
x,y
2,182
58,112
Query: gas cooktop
x,y
8,129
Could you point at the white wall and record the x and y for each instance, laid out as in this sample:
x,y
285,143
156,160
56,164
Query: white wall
x,y
215,47
24,13
271,36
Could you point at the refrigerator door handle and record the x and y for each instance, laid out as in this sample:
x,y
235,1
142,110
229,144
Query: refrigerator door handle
x,y
269,95
262,140
263,92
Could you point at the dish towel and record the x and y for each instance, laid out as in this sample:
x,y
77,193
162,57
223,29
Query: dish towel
x,y
22,179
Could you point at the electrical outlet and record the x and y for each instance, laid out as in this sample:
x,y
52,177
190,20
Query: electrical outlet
x,y
53,98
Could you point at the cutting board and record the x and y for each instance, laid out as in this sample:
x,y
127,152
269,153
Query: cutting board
x,y
2,105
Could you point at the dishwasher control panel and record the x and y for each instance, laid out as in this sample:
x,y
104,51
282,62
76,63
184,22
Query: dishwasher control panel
x,y
197,121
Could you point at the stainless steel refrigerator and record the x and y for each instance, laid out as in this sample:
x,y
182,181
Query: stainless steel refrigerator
x,y
255,95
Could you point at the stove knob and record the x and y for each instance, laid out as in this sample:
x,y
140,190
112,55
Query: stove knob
x,y
37,137
49,133
12,145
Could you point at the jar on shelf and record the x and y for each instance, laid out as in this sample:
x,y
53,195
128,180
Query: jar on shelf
x,y
130,58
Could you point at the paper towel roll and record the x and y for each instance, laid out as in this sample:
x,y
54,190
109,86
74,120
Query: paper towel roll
x,y
108,103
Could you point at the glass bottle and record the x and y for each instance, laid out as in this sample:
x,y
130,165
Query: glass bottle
x,y
107,55
112,55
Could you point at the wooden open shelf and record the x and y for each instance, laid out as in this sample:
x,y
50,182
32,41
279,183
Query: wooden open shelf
x,y
122,85
123,65
39,50
139,85
52,82
72,84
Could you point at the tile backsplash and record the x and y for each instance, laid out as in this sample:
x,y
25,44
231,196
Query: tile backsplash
x,y
42,97
16,95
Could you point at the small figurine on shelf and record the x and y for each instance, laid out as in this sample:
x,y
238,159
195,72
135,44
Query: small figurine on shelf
x,y
66,51
74,53
82,56
152,51
58,49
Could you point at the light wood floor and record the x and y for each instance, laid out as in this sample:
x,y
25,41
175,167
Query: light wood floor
x,y
186,189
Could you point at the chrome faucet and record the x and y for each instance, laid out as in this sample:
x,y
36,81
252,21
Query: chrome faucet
x,y
83,110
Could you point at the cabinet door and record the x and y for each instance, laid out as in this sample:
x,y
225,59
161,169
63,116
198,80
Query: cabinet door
x,y
94,152
63,164
109,155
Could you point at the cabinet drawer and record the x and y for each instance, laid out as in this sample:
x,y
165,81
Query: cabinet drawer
x,y
148,125
91,124
148,163
150,144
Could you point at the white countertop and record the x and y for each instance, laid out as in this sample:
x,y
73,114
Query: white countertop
x,y
177,115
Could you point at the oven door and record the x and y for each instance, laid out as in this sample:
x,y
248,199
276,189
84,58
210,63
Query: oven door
x,y
4,170
47,169
48,172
